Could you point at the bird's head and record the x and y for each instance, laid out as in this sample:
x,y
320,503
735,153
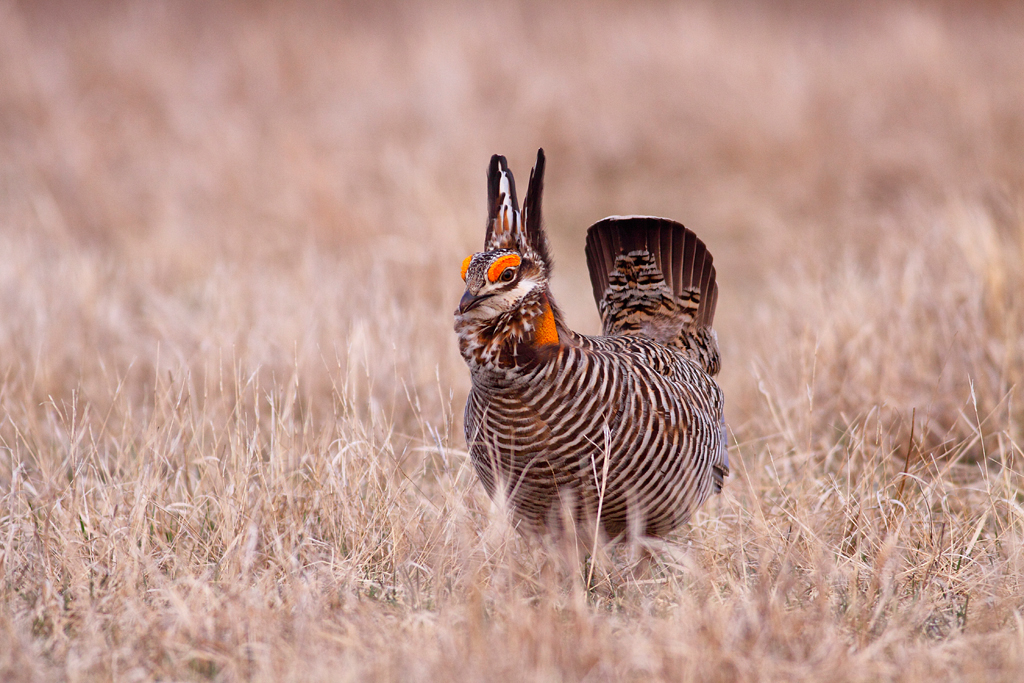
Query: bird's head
x,y
513,267
507,299
499,281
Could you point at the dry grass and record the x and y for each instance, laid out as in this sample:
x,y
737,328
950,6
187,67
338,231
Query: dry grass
x,y
230,398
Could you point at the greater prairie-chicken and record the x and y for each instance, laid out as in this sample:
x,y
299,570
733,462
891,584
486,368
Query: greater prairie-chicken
x,y
627,427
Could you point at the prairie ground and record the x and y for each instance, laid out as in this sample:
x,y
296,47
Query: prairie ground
x,y
230,394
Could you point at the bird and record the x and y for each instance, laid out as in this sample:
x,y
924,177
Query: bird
x,y
623,433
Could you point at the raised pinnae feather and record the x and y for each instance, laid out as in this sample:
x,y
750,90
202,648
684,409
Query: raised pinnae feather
x,y
532,211
507,227
503,221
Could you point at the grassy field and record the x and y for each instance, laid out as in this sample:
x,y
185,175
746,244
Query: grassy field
x,y
230,395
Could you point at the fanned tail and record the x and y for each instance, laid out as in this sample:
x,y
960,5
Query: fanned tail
x,y
652,276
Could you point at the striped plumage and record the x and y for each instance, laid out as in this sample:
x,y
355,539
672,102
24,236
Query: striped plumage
x,y
627,426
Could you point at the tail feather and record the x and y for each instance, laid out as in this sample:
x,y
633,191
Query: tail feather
x,y
712,303
709,289
597,265
652,276
667,245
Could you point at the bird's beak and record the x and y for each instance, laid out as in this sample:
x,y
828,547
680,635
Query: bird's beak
x,y
469,301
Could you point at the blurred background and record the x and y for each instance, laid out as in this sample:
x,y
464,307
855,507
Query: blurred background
x,y
278,181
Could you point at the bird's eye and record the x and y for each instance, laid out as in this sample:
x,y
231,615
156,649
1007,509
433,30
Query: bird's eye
x,y
508,274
